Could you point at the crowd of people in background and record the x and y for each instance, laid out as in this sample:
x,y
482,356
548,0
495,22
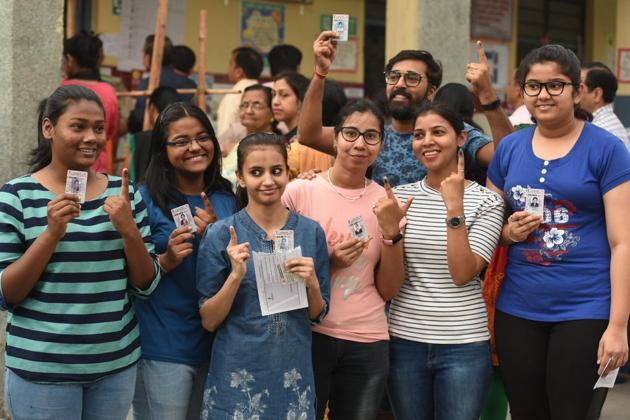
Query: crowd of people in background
x,y
444,273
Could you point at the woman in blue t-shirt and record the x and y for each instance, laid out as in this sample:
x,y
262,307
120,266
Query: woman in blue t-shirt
x,y
185,169
562,312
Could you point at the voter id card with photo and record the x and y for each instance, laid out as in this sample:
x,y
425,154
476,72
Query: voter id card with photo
x,y
283,241
358,229
182,216
535,201
76,183
340,25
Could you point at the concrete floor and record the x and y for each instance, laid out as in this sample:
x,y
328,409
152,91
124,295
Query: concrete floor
x,y
617,405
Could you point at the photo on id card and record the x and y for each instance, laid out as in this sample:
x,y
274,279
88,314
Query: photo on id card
x,y
535,201
182,216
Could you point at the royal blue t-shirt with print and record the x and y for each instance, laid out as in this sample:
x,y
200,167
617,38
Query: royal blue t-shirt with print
x,y
562,271
398,162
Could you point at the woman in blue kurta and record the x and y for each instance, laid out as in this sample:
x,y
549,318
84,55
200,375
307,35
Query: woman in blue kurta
x,y
260,365
185,169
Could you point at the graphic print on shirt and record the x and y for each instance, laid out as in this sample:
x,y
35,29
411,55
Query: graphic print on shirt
x,y
349,278
554,237
253,406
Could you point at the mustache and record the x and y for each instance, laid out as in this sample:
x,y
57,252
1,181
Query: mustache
x,y
400,91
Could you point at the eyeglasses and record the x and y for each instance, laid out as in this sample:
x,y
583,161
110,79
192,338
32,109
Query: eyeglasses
x,y
553,88
351,134
411,78
256,106
185,142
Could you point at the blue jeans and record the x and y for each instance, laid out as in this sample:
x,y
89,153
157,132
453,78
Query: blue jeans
x,y
438,381
108,398
168,391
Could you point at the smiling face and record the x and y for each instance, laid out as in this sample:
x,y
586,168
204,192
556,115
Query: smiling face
x,y
264,174
435,142
285,104
191,159
358,155
78,136
255,113
549,109
402,97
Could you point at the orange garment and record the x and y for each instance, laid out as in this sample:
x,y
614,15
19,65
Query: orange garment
x,y
303,158
491,286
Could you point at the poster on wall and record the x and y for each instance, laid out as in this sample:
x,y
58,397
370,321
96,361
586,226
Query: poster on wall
x,y
491,19
346,59
262,25
137,20
623,65
499,60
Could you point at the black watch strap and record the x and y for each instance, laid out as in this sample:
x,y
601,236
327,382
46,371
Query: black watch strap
x,y
492,105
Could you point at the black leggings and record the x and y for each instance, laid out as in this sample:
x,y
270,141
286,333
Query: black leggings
x,y
548,368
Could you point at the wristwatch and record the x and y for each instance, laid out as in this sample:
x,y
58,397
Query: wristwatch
x,y
394,240
492,105
455,222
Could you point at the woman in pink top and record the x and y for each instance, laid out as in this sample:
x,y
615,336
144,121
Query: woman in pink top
x,y
82,56
362,221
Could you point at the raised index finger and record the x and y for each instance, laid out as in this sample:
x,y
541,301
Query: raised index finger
x,y
388,188
124,188
461,162
233,240
482,53
208,205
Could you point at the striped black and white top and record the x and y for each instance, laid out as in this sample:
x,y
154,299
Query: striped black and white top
x,y
430,308
77,324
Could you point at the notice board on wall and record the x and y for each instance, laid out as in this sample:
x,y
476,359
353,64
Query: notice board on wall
x,y
491,19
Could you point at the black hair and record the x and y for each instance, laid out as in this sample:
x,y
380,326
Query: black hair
x,y
361,106
167,54
334,100
52,109
183,58
160,176
434,67
163,96
567,62
268,98
284,57
443,110
297,82
599,77
596,64
249,60
86,49
253,141
459,99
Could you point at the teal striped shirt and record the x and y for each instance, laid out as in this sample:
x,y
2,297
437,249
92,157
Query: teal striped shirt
x,y
77,324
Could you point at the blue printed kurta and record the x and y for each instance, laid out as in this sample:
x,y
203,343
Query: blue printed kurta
x,y
260,366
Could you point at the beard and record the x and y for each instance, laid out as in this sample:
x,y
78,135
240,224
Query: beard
x,y
404,111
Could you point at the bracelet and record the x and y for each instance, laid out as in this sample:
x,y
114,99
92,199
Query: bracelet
x,y
492,105
160,265
318,74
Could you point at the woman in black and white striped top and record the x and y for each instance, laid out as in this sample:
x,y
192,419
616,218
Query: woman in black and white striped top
x,y
439,351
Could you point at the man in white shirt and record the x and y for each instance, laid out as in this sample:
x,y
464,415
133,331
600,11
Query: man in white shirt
x,y
244,68
600,88
513,96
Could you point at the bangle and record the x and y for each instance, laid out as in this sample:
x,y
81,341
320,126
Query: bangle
x,y
318,74
492,105
160,265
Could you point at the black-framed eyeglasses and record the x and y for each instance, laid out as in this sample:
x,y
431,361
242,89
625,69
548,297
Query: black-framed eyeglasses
x,y
185,142
256,106
553,88
411,78
351,134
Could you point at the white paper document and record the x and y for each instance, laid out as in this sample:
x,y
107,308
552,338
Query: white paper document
x,y
278,290
607,381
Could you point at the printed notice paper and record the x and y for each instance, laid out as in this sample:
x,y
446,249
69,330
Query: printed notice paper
x,y
278,290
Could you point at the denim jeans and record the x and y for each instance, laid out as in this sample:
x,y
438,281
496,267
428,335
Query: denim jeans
x,y
438,381
108,398
168,391
350,376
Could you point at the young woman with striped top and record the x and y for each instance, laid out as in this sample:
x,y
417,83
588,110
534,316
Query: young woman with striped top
x,y
440,363
66,270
